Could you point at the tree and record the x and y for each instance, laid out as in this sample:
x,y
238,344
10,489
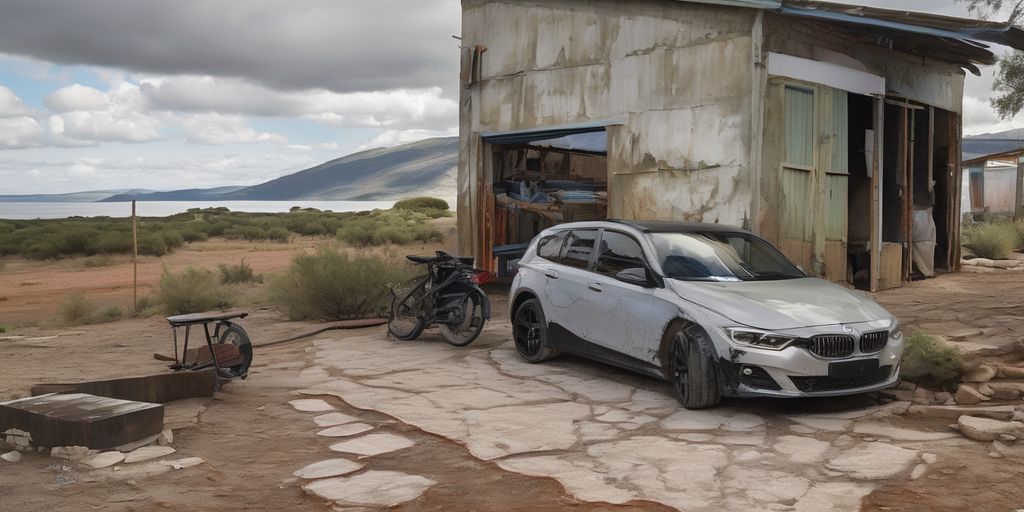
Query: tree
x,y
1009,83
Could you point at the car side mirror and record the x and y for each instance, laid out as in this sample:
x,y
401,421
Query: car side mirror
x,y
637,276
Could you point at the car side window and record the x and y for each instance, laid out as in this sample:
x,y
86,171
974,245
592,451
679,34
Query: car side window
x,y
618,252
578,246
550,247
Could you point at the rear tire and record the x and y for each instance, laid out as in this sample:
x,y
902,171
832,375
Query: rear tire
x,y
694,371
530,332
407,321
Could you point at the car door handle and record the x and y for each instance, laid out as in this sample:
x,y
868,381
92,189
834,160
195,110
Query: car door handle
x,y
595,286
551,273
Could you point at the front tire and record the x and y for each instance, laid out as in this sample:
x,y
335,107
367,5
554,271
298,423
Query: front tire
x,y
530,332
471,310
694,371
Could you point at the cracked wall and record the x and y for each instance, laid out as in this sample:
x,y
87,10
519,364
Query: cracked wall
x,y
677,75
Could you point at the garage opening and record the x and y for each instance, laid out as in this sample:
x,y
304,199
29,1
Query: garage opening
x,y
540,180
918,192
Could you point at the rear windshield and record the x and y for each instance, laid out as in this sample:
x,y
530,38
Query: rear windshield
x,y
712,256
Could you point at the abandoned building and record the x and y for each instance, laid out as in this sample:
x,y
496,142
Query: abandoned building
x,y
832,131
993,177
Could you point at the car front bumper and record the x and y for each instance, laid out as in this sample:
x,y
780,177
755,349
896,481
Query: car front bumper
x,y
796,372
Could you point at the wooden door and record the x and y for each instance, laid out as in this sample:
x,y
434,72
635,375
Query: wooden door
x,y
798,176
835,172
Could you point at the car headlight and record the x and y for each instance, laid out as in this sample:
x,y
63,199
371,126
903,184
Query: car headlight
x,y
896,332
760,339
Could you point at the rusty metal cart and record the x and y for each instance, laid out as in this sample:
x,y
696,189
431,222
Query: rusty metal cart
x,y
228,349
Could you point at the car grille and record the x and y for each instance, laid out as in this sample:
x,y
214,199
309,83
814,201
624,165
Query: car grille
x,y
872,342
813,384
831,345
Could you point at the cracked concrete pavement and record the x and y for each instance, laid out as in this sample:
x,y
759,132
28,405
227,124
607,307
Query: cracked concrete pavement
x,y
611,436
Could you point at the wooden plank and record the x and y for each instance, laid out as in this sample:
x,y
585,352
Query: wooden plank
x,y
82,420
160,388
835,261
891,266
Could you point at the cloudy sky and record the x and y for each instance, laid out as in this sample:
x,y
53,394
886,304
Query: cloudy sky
x,y
110,94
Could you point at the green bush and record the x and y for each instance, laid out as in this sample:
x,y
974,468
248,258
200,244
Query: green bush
x,y
152,245
240,273
2,329
192,290
75,309
330,284
422,203
928,360
279,234
991,240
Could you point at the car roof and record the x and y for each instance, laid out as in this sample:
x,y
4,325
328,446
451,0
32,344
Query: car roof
x,y
672,226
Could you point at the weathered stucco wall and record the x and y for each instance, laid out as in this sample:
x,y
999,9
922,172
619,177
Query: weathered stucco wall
x,y
678,75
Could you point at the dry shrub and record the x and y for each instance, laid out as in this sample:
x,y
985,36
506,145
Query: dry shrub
x,y
331,284
75,309
192,290
991,240
238,274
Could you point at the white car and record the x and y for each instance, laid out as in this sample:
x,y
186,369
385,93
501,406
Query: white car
x,y
712,309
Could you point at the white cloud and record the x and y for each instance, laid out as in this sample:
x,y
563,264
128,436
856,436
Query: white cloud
x,y
20,132
395,137
220,129
401,107
76,97
11,105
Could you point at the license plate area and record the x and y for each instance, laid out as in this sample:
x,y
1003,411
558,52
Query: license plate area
x,y
853,368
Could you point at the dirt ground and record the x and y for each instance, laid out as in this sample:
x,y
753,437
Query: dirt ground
x,y
251,440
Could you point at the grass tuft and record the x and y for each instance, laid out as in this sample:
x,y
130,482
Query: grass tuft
x,y
927,360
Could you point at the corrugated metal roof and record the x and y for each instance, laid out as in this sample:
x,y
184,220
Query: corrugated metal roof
x,y
947,38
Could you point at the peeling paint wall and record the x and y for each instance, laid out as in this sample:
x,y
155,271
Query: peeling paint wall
x,y
678,74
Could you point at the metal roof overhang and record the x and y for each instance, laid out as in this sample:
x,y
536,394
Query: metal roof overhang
x,y
547,132
945,38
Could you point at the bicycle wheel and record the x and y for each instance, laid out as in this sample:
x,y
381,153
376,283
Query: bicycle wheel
x,y
470,309
407,320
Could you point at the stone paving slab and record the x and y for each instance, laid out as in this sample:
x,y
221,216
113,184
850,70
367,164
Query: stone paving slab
x,y
373,444
372,488
328,468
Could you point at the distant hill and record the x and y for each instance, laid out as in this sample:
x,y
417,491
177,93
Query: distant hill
x,y
191,194
424,168
427,167
977,146
90,196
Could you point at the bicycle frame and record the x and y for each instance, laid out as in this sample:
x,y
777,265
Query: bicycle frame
x,y
428,303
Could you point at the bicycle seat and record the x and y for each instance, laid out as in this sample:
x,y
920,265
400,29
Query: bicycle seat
x,y
422,259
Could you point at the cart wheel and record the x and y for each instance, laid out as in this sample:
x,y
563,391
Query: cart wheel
x,y
235,335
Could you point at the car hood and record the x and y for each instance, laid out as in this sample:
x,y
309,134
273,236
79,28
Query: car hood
x,y
782,304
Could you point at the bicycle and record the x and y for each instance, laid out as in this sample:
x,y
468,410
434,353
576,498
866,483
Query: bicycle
x,y
448,296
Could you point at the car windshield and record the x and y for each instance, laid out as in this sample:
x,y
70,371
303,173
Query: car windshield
x,y
717,256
